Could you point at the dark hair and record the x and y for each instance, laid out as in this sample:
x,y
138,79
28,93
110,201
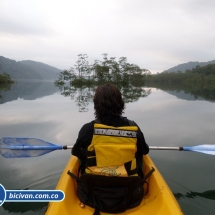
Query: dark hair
x,y
108,101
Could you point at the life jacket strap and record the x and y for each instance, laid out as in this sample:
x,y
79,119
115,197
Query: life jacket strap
x,y
130,171
91,161
91,153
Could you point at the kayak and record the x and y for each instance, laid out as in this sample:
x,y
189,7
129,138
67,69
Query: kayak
x,y
158,200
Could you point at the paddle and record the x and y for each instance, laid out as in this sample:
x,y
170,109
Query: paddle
x,y
17,147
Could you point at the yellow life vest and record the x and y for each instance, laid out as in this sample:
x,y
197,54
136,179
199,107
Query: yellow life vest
x,y
112,151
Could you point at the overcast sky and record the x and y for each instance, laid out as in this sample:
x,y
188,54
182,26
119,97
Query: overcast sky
x,y
154,34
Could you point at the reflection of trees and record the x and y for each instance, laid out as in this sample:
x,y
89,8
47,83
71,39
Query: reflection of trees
x,y
4,87
133,93
67,90
83,98
199,82
83,95
209,194
23,207
5,82
197,92
28,90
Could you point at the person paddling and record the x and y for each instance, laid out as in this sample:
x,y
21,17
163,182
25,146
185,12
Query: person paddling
x,y
110,149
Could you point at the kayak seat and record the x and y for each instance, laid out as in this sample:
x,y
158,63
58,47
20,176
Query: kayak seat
x,y
110,194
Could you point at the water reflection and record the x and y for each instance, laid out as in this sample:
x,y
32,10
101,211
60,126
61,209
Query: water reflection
x,y
83,95
34,173
4,87
209,194
27,90
186,92
164,119
22,207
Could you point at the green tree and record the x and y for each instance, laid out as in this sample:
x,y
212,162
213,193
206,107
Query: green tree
x,y
102,71
117,71
5,78
82,65
5,82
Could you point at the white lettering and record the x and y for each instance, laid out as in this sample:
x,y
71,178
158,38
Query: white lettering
x,y
115,132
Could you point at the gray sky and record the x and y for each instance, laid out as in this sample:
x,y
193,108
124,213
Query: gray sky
x,y
154,34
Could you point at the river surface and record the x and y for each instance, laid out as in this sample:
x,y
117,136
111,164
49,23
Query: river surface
x,y
167,118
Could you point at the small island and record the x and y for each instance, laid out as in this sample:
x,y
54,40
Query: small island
x,y
107,70
79,83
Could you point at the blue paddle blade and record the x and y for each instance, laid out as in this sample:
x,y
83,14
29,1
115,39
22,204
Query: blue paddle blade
x,y
206,149
13,147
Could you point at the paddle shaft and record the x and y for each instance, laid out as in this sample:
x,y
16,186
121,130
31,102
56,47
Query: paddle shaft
x,y
38,147
70,147
14,147
166,148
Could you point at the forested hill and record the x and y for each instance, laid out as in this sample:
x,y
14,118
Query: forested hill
x,y
188,66
28,70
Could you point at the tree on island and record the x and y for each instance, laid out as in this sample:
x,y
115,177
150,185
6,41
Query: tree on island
x,y
5,82
5,78
101,71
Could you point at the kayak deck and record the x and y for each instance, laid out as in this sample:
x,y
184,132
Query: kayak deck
x,y
158,200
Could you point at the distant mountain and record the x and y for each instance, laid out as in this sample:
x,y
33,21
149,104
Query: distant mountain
x,y
28,70
190,65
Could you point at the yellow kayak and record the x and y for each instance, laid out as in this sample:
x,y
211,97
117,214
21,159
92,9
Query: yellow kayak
x,y
159,200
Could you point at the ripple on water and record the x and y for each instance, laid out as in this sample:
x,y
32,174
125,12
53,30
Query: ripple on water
x,y
193,202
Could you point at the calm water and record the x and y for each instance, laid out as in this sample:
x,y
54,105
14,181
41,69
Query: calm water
x,y
167,118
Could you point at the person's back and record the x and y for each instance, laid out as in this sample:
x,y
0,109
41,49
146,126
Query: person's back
x,y
111,147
